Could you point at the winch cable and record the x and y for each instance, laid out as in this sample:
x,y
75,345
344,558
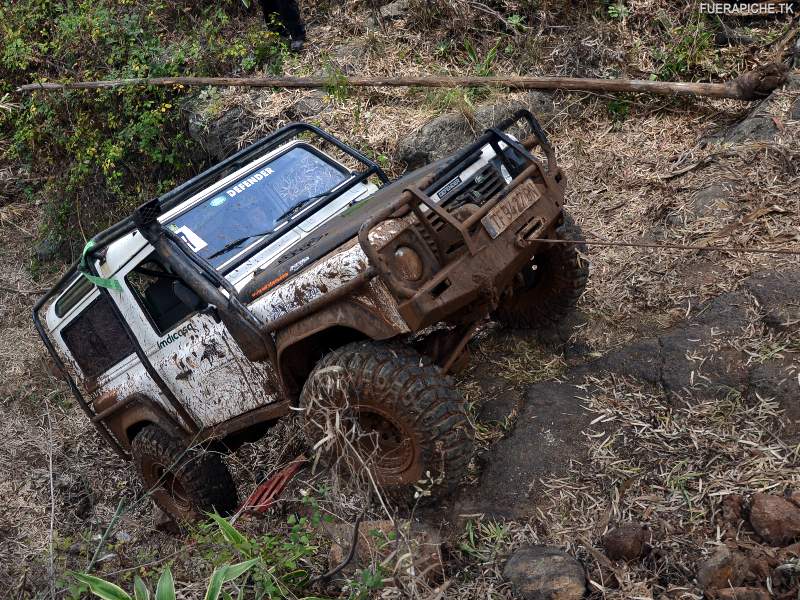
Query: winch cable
x,y
739,249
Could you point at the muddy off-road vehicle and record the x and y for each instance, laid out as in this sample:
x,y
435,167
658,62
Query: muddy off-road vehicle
x,y
294,274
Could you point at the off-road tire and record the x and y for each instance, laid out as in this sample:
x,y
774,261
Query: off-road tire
x,y
549,293
186,484
380,383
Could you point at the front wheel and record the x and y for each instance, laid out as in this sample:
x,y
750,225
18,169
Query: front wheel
x,y
185,483
403,418
550,286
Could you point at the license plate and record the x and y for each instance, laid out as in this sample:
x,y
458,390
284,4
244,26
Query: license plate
x,y
506,212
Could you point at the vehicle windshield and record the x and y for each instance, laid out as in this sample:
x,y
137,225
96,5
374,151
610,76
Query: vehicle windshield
x,y
255,204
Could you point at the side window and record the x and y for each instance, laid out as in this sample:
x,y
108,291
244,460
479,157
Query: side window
x,y
152,285
96,338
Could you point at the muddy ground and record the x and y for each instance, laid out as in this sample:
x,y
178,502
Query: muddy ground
x,y
675,385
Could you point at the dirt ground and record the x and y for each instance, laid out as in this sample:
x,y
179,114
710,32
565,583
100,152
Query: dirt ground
x,y
675,385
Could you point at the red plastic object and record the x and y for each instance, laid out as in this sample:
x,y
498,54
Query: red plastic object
x,y
267,493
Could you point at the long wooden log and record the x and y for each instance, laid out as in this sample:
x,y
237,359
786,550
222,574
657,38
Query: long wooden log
x,y
749,86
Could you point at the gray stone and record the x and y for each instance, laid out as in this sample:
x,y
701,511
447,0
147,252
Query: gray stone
x,y
218,135
779,297
348,56
311,104
777,380
47,249
758,128
545,573
447,133
549,428
389,12
711,201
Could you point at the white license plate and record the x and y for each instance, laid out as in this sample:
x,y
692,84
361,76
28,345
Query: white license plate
x,y
506,212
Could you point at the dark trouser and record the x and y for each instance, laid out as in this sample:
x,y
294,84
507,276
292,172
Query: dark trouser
x,y
289,15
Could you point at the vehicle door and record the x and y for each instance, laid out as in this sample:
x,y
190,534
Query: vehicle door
x,y
193,352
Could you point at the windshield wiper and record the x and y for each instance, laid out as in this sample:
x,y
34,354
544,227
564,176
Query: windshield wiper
x,y
304,202
236,243
287,215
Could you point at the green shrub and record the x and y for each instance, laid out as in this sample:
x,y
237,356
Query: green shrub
x,y
98,154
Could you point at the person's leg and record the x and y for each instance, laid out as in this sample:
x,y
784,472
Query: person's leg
x,y
290,20
289,12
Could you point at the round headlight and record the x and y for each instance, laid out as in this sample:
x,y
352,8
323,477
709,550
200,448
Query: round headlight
x,y
408,263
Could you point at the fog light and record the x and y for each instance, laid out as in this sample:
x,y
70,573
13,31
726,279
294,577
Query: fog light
x,y
408,263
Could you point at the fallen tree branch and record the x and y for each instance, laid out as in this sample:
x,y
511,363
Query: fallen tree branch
x,y
748,86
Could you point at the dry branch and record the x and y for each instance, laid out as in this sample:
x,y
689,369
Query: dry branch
x,y
748,86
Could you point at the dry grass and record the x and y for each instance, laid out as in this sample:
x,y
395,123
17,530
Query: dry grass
x,y
667,466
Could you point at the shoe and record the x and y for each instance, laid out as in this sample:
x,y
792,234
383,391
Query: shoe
x,y
296,45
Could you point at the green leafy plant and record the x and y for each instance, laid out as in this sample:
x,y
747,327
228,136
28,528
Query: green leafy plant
x,y
516,22
618,10
481,65
688,49
165,589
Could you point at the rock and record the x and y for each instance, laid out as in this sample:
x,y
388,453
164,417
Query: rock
x,y
754,128
789,552
348,56
389,12
775,520
723,569
776,380
545,573
379,539
218,134
311,104
549,427
732,506
163,522
122,537
447,133
743,593
778,295
47,249
626,542
711,201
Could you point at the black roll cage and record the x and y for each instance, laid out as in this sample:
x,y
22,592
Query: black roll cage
x,y
149,212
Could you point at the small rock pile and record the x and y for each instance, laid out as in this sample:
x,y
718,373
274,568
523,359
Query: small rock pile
x,y
761,549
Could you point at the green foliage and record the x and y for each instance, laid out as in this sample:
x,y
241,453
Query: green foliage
x,y
100,153
165,588
618,10
483,541
688,49
282,562
481,65
619,109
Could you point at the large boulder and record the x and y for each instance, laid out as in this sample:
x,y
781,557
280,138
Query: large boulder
x,y
545,573
449,132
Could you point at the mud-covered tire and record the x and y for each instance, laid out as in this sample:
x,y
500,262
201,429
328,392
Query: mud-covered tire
x,y
395,394
186,484
551,284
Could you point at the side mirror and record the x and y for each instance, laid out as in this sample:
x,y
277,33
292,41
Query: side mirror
x,y
187,296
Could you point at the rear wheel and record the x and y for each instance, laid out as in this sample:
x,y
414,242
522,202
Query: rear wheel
x,y
394,409
550,286
185,483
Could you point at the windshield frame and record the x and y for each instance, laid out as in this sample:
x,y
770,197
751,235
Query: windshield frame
x,y
260,241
